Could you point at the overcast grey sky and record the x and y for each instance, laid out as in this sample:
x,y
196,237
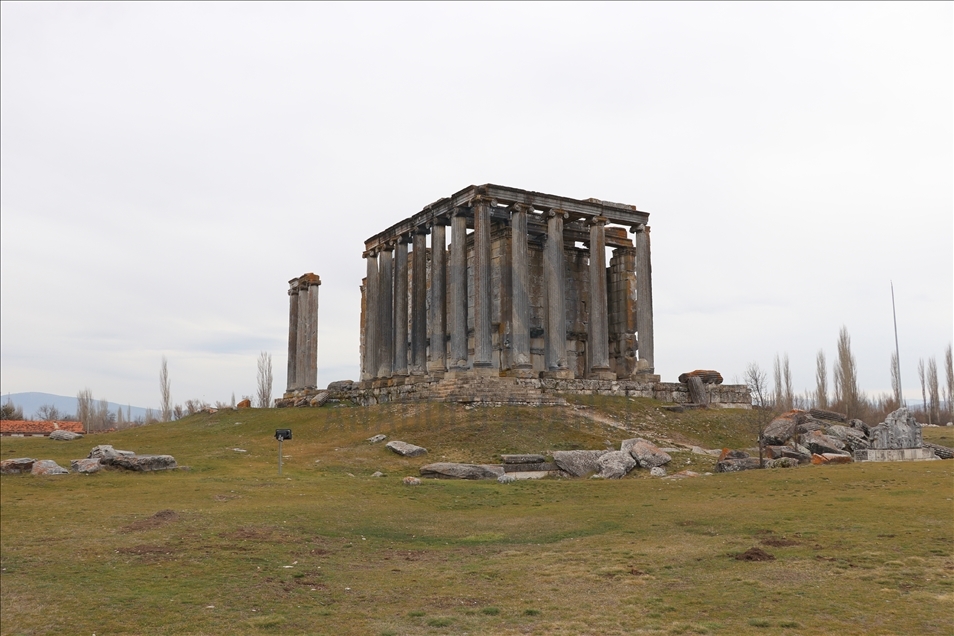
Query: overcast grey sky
x,y
166,168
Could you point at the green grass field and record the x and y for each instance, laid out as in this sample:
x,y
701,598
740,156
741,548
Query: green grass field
x,y
229,547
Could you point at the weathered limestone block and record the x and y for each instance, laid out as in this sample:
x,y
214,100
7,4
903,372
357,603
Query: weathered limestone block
x,y
800,454
16,466
506,479
523,459
647,454
525,468
340,385
380,437
449,470
706,375
736,465
697,390
141,463
943,452
406,450
781,429
319,399
578,463
65,436
782,462
86,466
244,404
48,467
615,464
104,451
899,430
852,438
822,414
411,481
820,443
658,471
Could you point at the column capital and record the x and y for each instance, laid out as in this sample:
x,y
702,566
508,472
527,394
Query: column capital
x,y
388,246
552,212
421,229
597,220
460,211
639,227
521,207
482,199
371,253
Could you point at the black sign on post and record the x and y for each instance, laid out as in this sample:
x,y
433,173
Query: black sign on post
x,y
281,434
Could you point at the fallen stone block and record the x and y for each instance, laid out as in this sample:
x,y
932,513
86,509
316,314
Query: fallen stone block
x,y
522,468
65,436
406,450
16,466
941,451
86,466
104,451
778,452
141,463
615,464
658,471
244,404
376,438
523,459
646,454
852,438
411,481
736,465
319,399
819,443
783,462
708,376
450,470
506,479
47,467
832,416
578,463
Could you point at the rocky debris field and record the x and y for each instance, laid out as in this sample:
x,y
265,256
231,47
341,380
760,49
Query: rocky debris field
x,y
100,457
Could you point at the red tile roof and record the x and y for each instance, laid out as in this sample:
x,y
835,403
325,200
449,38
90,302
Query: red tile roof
x,y
28,427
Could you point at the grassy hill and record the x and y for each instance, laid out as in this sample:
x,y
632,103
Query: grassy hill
x,y
229,547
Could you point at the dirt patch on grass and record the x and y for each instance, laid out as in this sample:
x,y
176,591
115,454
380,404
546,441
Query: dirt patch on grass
x,y
157,520
262,534
779,542
754,554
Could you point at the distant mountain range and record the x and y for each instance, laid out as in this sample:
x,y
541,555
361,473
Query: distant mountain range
x,y
30,402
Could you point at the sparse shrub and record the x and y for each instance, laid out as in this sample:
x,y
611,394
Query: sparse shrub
x,y
759,622
531,612
490,611
440,622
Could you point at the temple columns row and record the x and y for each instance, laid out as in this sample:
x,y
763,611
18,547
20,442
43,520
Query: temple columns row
x,y
386,294
302,372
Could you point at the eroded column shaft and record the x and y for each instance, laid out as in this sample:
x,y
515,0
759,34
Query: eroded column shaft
x,y
400,308
553,271
371,316
644,300
520,289
385,309
483,343
458,291
598,336
292,335
438,327
419,303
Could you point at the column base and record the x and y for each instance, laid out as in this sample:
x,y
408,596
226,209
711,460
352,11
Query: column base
x,y
458,373
526,373
599,373
557,374
435,368
485,370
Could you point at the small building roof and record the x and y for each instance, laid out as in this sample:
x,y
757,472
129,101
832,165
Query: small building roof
x,y
45,427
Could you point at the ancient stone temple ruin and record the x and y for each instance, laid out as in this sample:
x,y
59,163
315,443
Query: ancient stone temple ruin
x,y
303,333
523,290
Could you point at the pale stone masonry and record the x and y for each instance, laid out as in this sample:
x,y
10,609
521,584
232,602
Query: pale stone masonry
x,y
303,333
523,290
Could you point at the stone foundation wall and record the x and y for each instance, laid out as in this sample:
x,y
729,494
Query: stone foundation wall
x,y
491,390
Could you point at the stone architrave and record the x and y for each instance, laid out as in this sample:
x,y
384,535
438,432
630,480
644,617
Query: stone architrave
x,y
371,315
644,300
438,328
554,275
520,288
292,384
385,311
598,336
483,344
400,307
458,289
419,303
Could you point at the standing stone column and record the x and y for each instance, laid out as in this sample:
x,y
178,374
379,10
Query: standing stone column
x,y
644,300
400,307
520,288
554,274
310,354
419,303
301,363
598,336
458,291
385,308
438,326
483,343
292,334
371,316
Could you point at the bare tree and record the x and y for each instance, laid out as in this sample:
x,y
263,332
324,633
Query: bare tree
x,y
821,380
84,407
264,380
11,411
762,414
933,393
949,394
921,377
846,377
778,397
165,393
48,412
896,380
789,396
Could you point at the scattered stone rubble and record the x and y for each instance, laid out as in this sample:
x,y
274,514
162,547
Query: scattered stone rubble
x,y
818,436
101,456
